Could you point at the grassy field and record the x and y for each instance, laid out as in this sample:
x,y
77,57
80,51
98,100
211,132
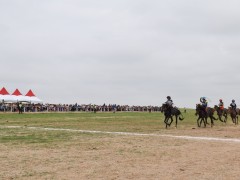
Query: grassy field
x,y
141,122
116,122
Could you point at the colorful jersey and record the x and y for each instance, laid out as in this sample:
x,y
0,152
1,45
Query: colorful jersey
x,y
221,105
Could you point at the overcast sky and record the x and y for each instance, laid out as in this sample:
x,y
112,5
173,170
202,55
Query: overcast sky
x,y
124,52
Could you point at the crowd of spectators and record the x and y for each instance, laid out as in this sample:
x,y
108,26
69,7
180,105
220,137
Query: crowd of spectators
x,y
12,107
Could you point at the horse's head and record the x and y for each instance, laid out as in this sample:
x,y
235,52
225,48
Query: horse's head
x,y
200,109
197,109
198,106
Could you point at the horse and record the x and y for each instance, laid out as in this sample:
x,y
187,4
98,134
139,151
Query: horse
x,y
210,114
204,114
233,114
221,113
169,113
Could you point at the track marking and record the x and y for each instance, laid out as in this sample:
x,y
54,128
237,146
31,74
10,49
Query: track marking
x,y
235,140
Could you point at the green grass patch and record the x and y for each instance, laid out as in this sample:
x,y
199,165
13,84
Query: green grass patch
x,y
142,122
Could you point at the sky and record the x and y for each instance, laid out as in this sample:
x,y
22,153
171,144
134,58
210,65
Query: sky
x,y
133,52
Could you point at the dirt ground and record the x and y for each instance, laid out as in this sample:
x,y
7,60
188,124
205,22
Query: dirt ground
x,y
127,157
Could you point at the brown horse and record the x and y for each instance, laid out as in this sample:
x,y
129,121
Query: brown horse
x,y
233,114
210,114
203,114
221,113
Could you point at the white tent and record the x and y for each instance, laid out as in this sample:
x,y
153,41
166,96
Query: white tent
x,y
30,96
5,96
18,97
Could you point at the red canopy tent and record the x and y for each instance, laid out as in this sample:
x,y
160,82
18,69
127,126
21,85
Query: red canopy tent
x,y
5,96
30,93
17,93
17,96
4,91
32,98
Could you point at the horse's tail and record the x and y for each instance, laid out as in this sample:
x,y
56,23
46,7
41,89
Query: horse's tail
x,y
181,116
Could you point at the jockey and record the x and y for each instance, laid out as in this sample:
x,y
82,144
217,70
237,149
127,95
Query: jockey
x,y
204,103
234,105
221,104
169,101
169,104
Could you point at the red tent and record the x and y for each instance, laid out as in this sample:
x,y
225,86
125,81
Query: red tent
x,y
17,96
32,98
4,91
5,96
16,93
30,93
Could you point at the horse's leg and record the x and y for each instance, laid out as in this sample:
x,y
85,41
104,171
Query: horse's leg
x,y
236,119
211,122
220,117
225,118
165,121
199,119
232,118
204,122
171,121
176,121
198,122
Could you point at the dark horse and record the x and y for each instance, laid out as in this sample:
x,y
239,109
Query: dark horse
x,y
221,113
169,113
233,114
203,114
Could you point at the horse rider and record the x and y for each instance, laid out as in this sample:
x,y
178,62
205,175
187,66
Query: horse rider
x,y
234,106
221,105
169,104
204,104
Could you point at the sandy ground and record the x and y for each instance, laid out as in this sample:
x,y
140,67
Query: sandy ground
x,y
127,157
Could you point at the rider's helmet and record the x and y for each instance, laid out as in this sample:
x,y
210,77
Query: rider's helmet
x,y
233,100
220,100
168,97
